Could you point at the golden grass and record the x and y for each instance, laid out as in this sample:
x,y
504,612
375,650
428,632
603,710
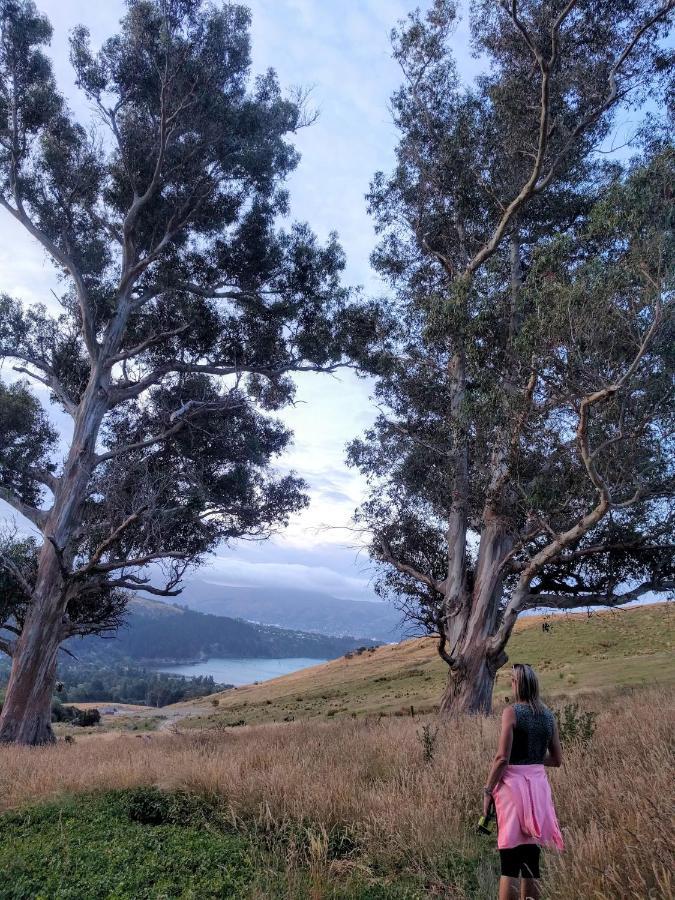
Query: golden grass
x,y
369,776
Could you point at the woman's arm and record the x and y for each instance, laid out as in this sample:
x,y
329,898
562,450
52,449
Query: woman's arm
x,y
501,759
554,753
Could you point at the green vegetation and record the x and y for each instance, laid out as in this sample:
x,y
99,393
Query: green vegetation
x,y
123,682
143,844
126,683
576,726
337,810
97,847
84,718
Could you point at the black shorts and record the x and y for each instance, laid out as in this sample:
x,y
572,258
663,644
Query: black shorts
x,y
521,860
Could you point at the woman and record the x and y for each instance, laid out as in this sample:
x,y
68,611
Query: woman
x,y
518,785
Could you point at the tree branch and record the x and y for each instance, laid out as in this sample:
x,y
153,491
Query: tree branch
x,y
442,652
10,566
613,94
51,381
537,563
112,538
66,262
45,477
190,410
528,188
604,394
138,445
388,556
148,342
136,562
534,184
37,516
124,391
138,585
570,601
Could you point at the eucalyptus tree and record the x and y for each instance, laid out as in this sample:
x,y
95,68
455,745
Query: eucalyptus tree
x,y
183,308
526,400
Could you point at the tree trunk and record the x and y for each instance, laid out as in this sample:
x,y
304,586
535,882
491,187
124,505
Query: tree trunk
x,y
27,708
471,624
470,684
26,712
471,677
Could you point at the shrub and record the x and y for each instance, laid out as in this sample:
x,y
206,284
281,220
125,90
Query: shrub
x,y
574,725
151,806
427,738
86,718
61,713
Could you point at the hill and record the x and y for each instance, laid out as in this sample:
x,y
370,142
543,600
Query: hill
x,y
157,631
631,646
302,610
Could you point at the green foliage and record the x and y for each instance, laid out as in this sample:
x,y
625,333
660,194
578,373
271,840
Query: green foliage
x,y
145,844
21,555
28,437
300,836
428,737
84,718
576,726
520,289
185,300
123,681
151,806
93,847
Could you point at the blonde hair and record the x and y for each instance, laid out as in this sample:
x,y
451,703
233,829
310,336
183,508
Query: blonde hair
x,y
527,686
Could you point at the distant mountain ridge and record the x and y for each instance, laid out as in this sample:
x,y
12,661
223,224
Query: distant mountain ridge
x,y
299,610
157,631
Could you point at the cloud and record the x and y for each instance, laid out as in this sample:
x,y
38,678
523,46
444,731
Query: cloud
x,y
335,569
238,572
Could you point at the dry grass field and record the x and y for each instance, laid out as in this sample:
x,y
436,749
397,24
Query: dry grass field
x,y
408,822
322,789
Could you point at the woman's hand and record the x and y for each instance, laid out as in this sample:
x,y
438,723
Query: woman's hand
x,y
487,803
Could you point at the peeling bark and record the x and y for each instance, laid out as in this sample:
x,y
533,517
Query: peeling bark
x,y
470,684
472,674
26,712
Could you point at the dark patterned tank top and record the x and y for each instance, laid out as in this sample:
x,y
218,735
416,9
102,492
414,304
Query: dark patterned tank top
x,y
531,736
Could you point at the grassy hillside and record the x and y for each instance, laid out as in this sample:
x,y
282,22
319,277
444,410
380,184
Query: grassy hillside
x,y
613,648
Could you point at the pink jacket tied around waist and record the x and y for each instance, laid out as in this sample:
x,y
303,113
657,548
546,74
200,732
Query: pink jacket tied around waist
x,y
524,807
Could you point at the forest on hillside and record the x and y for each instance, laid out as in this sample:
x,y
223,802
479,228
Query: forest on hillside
x,y
119,668
182,634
